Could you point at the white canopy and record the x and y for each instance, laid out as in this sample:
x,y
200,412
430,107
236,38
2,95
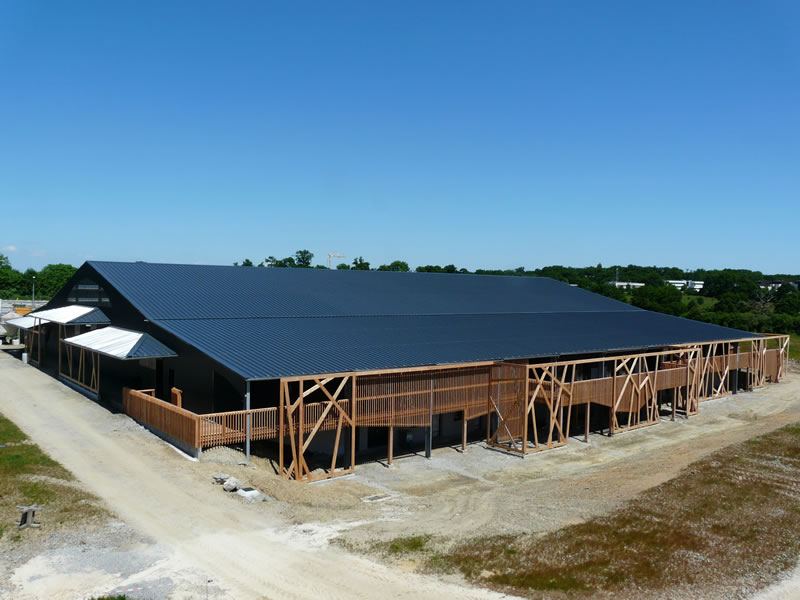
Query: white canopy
x,y
74,313
121,343
21,322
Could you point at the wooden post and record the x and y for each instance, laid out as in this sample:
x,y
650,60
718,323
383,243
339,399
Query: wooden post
x,y
464,431
390,445
247,424
588,419
525,408
429,433
281,408
301,405
613,405
353,412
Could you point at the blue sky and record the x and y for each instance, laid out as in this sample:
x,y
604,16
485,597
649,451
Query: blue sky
x,y
476,133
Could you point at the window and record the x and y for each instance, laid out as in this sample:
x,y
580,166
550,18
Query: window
x,y
88,292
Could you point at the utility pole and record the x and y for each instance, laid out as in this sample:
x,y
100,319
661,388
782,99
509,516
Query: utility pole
x,y
332,255
33,294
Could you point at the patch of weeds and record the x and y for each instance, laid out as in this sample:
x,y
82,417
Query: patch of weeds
x,y
36,492
713,510
407,544
29,476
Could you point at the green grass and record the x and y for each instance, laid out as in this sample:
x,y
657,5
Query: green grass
x,y
723,519
10,433
703,302
794,347
29,476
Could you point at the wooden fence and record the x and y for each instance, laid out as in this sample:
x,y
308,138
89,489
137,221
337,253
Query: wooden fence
x,y
176,424
192,431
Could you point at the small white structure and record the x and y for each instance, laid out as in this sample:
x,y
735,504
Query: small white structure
x,y
686,284
627,285
122,344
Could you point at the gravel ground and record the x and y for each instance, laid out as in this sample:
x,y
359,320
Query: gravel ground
x,y
98,558
181,530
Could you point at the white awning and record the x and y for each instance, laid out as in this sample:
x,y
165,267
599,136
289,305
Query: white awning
x,y
21,322
72,314
121,343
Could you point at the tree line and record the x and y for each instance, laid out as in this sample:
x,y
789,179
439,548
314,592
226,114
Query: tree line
x,y
16,284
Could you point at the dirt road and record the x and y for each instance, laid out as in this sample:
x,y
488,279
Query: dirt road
x,y
246,551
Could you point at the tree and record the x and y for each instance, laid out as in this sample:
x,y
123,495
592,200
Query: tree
x,y
663,298
245,263
342,267
788,303
717,283
10,282
397,265
52,278
4,262
359,264
303,258
732,302
280,263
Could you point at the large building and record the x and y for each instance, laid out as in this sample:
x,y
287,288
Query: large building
x,y
327,364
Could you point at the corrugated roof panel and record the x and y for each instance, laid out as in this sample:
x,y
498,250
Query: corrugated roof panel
x,y
23,322
268,348
122,344
73,314
265,323
163,291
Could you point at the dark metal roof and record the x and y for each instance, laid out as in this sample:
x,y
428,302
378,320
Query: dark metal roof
x,y
203,292
266,323
149,347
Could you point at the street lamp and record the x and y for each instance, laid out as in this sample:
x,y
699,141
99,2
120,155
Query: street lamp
x,y
33,294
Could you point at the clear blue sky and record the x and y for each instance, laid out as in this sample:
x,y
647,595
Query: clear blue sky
x,y
475,133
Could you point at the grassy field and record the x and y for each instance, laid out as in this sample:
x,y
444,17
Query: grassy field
x,y
730,519
794,347
29,476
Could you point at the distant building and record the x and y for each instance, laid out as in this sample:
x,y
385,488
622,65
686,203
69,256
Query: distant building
x,y
686,284
627,285
771,286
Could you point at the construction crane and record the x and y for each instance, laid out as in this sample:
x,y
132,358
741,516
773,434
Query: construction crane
x,y
332,255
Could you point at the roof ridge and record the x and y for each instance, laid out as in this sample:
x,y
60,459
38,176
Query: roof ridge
x,y
379,315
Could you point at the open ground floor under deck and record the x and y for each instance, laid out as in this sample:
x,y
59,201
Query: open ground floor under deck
x,y
321,426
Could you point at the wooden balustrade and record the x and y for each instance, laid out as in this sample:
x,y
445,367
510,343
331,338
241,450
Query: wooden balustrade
x,y
177,424
512,391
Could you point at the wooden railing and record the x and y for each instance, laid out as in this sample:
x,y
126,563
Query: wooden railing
x,y
218,429
404,400
178,424
194,431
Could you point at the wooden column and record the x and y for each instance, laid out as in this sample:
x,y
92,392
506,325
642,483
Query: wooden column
x,y
390,445
281,408
588,419
464,431
429,432
353,412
